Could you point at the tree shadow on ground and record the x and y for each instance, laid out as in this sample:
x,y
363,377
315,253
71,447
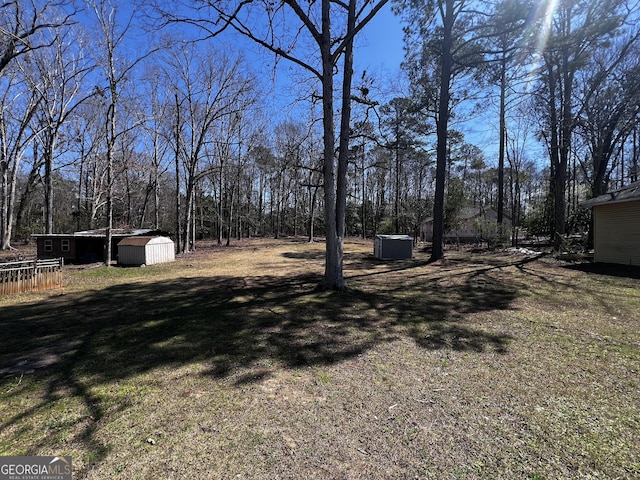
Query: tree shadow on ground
x,y
305,255
77,341
609,269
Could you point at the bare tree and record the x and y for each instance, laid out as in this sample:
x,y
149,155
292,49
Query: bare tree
x,y
210,93
117,69
61,71
88,144
316,36
158,134
18,105
24,25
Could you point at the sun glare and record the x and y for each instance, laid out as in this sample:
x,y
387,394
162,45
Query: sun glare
x,y
545,12
543,22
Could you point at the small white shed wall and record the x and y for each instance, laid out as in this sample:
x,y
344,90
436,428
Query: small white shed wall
x,y
160,252
617,233
156,250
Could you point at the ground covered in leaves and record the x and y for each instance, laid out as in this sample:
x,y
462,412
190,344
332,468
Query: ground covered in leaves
x,y
230,363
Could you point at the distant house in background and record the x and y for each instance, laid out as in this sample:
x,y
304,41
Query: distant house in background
x,y
86,246
145,250
393,247
474,225
616,225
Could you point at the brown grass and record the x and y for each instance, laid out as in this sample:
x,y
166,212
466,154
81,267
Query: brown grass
x,y
230,364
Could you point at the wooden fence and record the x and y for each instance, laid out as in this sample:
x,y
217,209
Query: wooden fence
x,y
30,275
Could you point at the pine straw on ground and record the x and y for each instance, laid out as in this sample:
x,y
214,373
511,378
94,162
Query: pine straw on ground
x,y
229,363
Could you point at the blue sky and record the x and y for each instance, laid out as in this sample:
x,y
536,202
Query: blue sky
x,y
378,50
381,45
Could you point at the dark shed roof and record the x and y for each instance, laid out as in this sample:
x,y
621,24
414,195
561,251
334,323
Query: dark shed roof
x,y
102,233
626,194
135,241
143,241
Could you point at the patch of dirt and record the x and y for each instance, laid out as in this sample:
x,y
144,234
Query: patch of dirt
x,y
19,252
205,248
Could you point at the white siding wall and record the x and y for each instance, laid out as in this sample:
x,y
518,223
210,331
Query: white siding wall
x,y
617,233
159,252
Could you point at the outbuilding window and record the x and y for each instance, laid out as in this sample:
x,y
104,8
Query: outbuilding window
x,y
48,245
65,246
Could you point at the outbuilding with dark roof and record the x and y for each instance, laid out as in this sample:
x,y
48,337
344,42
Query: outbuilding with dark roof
x,y
87,246
616,225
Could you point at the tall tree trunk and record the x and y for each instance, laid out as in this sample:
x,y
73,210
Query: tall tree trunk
x,y
560,185
230,221
80,188
442,126
177,166
111,125
634,169
156,198
556,183
48,181
312,213
396,202
333,276
261,189
363,213
189,214
32,181
8,192
220,202
503,140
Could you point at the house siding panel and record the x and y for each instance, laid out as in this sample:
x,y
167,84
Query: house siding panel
x,y
56,248
617,233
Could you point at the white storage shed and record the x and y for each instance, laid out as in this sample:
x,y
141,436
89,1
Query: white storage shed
x,y
393,247
145,250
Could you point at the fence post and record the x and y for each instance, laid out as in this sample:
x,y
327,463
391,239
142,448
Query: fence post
x,y
34,277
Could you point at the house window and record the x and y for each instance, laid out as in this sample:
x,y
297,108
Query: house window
x,y
65,246
48,245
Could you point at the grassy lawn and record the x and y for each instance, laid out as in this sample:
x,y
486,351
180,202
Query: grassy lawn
x,y
229,364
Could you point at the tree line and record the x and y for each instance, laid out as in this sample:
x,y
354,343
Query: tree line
x,y
146,116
